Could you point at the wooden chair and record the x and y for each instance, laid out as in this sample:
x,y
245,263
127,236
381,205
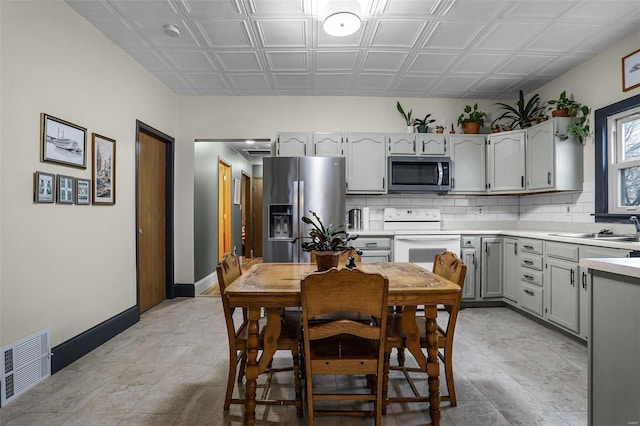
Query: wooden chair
x,y
448,266
229,270
344,346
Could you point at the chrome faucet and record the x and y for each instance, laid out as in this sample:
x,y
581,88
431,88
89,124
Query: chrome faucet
x,y
634,220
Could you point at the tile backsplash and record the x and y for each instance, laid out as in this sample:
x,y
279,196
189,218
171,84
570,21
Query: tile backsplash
x,y
575,207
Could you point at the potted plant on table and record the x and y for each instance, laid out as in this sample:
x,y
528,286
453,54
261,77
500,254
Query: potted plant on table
x,y
524,114
327,242
406,116
471,119
422,125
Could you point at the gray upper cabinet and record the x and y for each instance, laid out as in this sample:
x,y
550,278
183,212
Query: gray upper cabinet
x,y
431,144
402,143
506,162
293,144
468,159
366,163
553,163
327,144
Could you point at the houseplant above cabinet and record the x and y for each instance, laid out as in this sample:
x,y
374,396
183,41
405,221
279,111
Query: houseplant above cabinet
x,y
406,116
422,125
566,107
523,114
471,119
563,106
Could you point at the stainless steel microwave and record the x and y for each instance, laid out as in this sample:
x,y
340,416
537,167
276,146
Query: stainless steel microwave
x,y
418,174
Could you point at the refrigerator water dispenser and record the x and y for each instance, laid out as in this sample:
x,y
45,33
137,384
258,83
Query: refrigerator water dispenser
x,y
280,222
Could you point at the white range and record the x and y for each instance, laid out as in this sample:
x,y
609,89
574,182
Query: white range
x,y
418,235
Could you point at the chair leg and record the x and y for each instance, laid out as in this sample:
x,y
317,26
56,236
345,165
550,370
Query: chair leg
x,y
401,357
233,364
385,383
243,365
295,352
448,372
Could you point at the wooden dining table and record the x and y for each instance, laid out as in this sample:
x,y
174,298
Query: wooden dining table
x,y
274,286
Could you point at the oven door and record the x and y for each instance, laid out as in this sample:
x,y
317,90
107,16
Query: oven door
x,y
421,249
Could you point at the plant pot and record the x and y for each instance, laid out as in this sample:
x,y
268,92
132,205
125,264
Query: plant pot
x,y
495,130
560,112
422,128
440,131
471,128
452,132
327,259
409,129
542,120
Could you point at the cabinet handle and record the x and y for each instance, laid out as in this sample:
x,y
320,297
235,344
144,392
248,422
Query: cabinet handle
x,y
549,178
573,278
486,248
584,280
528,247
528,262
383,187
522,181
515,249
453,183
371,244
529,277
305,151
474,260
529,292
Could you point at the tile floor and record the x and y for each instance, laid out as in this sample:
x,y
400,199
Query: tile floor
x,y
171,369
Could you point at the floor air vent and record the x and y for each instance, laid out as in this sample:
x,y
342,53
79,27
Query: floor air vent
x,y
24,364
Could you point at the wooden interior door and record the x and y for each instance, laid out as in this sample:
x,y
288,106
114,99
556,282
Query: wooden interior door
x,y
245,206
257,216
224,208
152,210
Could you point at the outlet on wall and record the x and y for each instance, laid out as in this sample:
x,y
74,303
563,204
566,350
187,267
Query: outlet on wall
x,y
480,211
568,208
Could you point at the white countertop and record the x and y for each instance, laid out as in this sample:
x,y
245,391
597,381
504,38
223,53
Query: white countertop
x,y
624,266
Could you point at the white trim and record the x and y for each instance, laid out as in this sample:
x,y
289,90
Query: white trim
x,y
205,283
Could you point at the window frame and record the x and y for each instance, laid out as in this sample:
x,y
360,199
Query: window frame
x,y
602,153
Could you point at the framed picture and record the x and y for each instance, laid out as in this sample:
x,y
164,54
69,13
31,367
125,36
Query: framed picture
x,y
631,71
44,187
236,191
104,169
62,142
83,191
64,192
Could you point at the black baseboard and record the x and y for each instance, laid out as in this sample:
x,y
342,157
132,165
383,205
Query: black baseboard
x,y
80,345
184,290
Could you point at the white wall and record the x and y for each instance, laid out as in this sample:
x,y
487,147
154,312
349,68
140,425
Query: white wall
x,y
64,266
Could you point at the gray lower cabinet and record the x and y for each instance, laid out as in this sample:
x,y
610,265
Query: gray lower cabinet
x,y
491,284
375,248
470,256
614,372
511,268
562,298
531,294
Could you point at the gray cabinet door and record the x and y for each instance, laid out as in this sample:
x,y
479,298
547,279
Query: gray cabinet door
x,y
469,259
506,165
562,294
468,157
512,270
402,144
431,144
540,156
292,144
491,284
366,163
327,144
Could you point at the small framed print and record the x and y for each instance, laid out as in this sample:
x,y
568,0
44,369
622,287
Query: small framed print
x,y
236,191
65,189
104,169
62,142
631,71
44,187
83,191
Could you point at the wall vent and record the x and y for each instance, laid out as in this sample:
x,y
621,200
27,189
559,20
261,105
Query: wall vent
x,y
24,364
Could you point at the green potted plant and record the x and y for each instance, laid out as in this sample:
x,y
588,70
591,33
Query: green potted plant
x,y
327,242
523,114
471,119
406,116
422,125
579,126
563,106
439,129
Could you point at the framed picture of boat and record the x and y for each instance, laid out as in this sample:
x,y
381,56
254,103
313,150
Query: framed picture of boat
x,y
62,142
103,170
83,191
64,189
44,187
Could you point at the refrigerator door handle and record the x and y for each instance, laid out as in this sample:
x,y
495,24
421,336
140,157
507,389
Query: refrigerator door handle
x,y
295,226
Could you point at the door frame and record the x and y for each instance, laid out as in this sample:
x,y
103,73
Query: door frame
x,y
172,290
246,213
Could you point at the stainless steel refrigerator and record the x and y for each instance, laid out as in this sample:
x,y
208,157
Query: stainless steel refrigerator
x,y
292,188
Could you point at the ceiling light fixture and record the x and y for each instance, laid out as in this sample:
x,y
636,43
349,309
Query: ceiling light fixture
x,y
342,17
171,30
250,142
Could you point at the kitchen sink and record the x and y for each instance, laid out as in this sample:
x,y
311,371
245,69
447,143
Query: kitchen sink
x,y
600,236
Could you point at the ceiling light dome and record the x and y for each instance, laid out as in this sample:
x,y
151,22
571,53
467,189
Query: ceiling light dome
x,y
342,17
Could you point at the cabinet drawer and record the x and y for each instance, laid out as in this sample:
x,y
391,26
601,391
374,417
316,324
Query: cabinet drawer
x,y
370,256
531,299
531,276
562,251
531,246
468,241
534,262
372,243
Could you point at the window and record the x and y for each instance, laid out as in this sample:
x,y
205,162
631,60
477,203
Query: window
x,y
617,169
